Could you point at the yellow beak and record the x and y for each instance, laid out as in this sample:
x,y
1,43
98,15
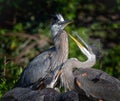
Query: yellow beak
x,y
77,42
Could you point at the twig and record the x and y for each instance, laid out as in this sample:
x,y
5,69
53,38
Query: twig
x,y
24,35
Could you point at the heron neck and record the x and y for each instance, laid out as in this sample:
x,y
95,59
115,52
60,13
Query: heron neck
x,y
90,62
75,63
61,44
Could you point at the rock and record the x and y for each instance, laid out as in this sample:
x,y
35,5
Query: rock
x,y
70,96
25,94
47,94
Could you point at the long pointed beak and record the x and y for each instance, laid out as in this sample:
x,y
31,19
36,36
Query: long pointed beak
x,y
85,50
77,42
65,23
85,44
81,40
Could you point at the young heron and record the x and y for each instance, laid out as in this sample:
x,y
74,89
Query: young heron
x,y
92,82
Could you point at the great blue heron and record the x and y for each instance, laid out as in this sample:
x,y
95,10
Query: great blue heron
x,y
43,65
93,82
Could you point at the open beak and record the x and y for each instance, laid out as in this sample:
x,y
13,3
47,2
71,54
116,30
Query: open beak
x,y
81,40
65,23
85,44
85,49
77,42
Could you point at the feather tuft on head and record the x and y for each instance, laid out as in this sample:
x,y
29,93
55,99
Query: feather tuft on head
x,y
60,17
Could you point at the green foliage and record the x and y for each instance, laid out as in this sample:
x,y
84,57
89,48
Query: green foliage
x,y
3,86
18,27
2,31
9,74
111,62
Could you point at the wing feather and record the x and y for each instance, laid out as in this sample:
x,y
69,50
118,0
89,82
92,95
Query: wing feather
x,y
36,69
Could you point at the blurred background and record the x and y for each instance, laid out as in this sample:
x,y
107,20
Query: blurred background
x,y
25,33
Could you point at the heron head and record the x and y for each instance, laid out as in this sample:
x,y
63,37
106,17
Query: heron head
x,y
86,49
58,24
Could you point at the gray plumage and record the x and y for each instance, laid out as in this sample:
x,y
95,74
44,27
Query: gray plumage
x,y
45,63
79,76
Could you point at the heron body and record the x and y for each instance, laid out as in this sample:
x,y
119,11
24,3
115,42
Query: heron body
x,y
79,76
45,63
